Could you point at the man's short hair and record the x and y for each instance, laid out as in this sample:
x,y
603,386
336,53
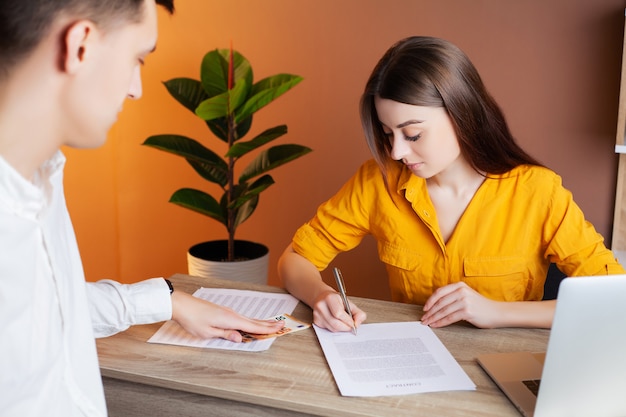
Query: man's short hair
x,y
24,23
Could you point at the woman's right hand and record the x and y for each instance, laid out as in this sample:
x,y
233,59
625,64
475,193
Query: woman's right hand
x,y
302,279
329,313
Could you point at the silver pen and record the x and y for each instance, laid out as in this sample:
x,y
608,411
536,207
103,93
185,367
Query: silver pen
x,y
342,292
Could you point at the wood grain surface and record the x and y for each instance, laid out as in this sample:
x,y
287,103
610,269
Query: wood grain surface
x,y
292,377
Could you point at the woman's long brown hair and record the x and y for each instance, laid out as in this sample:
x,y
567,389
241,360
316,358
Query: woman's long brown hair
x,y
432,72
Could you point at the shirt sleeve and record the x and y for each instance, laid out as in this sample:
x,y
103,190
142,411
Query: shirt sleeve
x,y
574,244
341,222
114,307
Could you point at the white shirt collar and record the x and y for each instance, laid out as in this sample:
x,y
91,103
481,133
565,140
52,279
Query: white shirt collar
x,y
24,197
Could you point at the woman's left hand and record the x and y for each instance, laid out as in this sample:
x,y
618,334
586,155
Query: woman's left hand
x,y
456,302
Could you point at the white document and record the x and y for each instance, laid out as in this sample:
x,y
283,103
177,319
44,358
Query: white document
x,y
391,359
255,304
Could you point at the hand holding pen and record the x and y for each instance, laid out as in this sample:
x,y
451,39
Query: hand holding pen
x,y
342,292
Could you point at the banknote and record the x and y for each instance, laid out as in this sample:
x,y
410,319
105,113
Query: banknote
x,y
291,325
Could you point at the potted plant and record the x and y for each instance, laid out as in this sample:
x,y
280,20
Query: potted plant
x,y
226,98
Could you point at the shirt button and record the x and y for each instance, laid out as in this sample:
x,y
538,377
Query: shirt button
x,y
426,213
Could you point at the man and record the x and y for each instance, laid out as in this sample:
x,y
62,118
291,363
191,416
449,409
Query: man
x,y
66,67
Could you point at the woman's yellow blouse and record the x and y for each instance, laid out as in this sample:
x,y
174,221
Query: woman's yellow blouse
x,y
514,227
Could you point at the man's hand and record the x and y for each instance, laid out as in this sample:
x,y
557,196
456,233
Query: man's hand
x,y
207,320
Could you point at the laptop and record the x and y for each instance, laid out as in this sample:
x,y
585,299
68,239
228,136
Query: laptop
x,y
583,372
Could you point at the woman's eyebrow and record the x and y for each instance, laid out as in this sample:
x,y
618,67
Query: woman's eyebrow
x,y
408,123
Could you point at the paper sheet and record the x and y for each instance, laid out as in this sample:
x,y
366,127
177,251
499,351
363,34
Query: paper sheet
x,y
391,359
255,304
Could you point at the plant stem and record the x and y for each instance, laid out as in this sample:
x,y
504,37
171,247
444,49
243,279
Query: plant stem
x,y
231,189
231,161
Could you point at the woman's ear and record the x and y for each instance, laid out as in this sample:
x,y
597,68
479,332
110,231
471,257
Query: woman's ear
x,y
77,44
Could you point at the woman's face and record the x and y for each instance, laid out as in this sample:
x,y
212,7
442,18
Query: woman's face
x,y
422,138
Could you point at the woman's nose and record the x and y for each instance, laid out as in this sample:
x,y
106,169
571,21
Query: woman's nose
x,y
399,147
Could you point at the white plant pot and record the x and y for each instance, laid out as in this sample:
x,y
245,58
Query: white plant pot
x,y
205,260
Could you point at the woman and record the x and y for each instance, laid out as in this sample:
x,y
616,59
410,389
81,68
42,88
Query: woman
x,y
466,222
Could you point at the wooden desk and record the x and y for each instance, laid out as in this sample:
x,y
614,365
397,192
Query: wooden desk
x,y
292,378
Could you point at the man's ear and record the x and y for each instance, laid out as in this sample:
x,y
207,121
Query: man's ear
x,y
77,44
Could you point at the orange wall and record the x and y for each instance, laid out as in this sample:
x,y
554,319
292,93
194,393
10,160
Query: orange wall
x,y
553,65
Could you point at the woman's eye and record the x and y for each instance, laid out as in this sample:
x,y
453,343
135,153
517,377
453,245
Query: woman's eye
x,y
389,135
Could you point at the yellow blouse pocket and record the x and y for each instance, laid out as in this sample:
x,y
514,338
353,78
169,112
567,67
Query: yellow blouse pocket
x,y
402,264
398,257
504,278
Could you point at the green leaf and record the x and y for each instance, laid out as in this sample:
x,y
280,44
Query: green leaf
x,y
214,107
275,81
241,212
245,211
206,162
187,148
252,190
223,104
266,91
242,148
261,184
237,95
190,94
200,202
272,158
187,92
212,173
219,127
243,127
214,71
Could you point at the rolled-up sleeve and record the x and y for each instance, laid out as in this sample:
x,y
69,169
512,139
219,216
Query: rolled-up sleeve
x,y
114,307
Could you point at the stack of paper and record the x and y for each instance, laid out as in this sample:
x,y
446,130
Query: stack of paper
x,y
391,359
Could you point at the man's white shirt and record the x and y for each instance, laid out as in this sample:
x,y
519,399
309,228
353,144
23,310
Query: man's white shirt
x,y
48,315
